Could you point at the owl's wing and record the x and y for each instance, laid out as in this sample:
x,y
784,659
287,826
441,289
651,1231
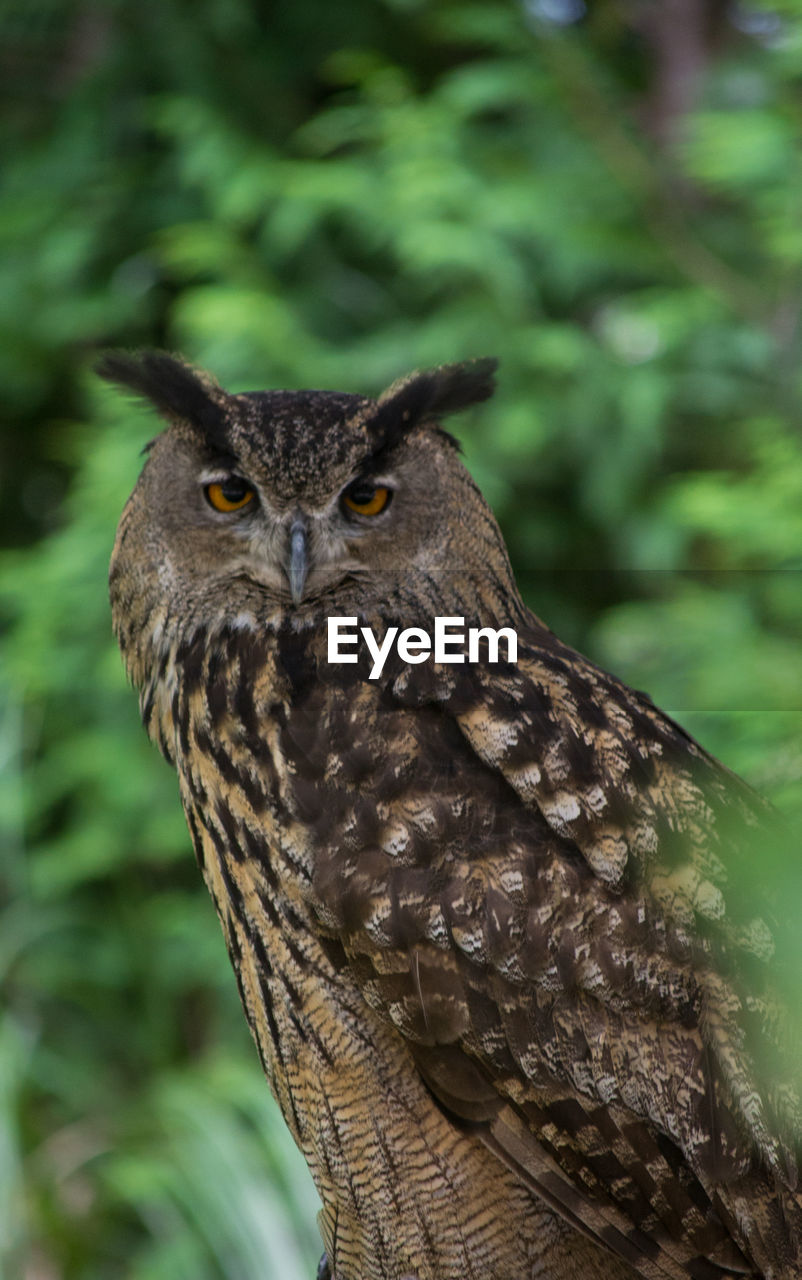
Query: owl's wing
x,y
540,903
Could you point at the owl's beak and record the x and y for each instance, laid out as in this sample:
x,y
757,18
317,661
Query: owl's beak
x,y
299,559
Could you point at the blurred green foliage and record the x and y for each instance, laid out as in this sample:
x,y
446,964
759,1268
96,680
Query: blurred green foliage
x,y
301,194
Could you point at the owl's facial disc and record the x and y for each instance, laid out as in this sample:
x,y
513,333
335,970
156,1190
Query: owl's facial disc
x,y
291,545
287,539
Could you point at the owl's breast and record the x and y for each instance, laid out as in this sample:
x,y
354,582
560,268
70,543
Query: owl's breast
x,y
279,784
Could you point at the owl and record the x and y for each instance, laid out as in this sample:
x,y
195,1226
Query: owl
x,y
480,899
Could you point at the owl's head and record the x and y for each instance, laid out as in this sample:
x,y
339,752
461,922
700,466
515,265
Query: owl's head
x,y
287,495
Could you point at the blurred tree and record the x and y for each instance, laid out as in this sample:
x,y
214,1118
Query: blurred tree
x,y
606,195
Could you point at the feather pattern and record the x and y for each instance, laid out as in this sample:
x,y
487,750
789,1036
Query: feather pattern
x,y
484,916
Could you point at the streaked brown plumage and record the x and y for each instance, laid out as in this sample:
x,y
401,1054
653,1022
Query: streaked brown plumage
x,y
480,915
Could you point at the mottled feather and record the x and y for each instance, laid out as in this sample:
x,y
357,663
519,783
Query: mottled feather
x,y
485,917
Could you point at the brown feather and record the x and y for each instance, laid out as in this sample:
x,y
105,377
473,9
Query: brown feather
x,y
484,918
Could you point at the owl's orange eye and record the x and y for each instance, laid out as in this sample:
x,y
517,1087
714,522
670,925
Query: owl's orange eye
x,y
231,494
366,499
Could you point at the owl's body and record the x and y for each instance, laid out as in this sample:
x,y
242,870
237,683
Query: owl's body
x,y
478,912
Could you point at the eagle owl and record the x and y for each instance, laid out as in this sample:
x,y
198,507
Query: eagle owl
x,y
480,911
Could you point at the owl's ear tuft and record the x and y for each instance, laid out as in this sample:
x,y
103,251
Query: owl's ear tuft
x,y
428,396
171,386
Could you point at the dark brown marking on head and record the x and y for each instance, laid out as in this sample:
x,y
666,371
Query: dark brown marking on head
x,y
172,387
429,396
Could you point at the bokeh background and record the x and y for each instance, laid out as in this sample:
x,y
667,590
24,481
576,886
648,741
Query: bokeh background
x,y
605,194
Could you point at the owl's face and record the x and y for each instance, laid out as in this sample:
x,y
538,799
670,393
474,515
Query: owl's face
x,y
248,513
284,496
